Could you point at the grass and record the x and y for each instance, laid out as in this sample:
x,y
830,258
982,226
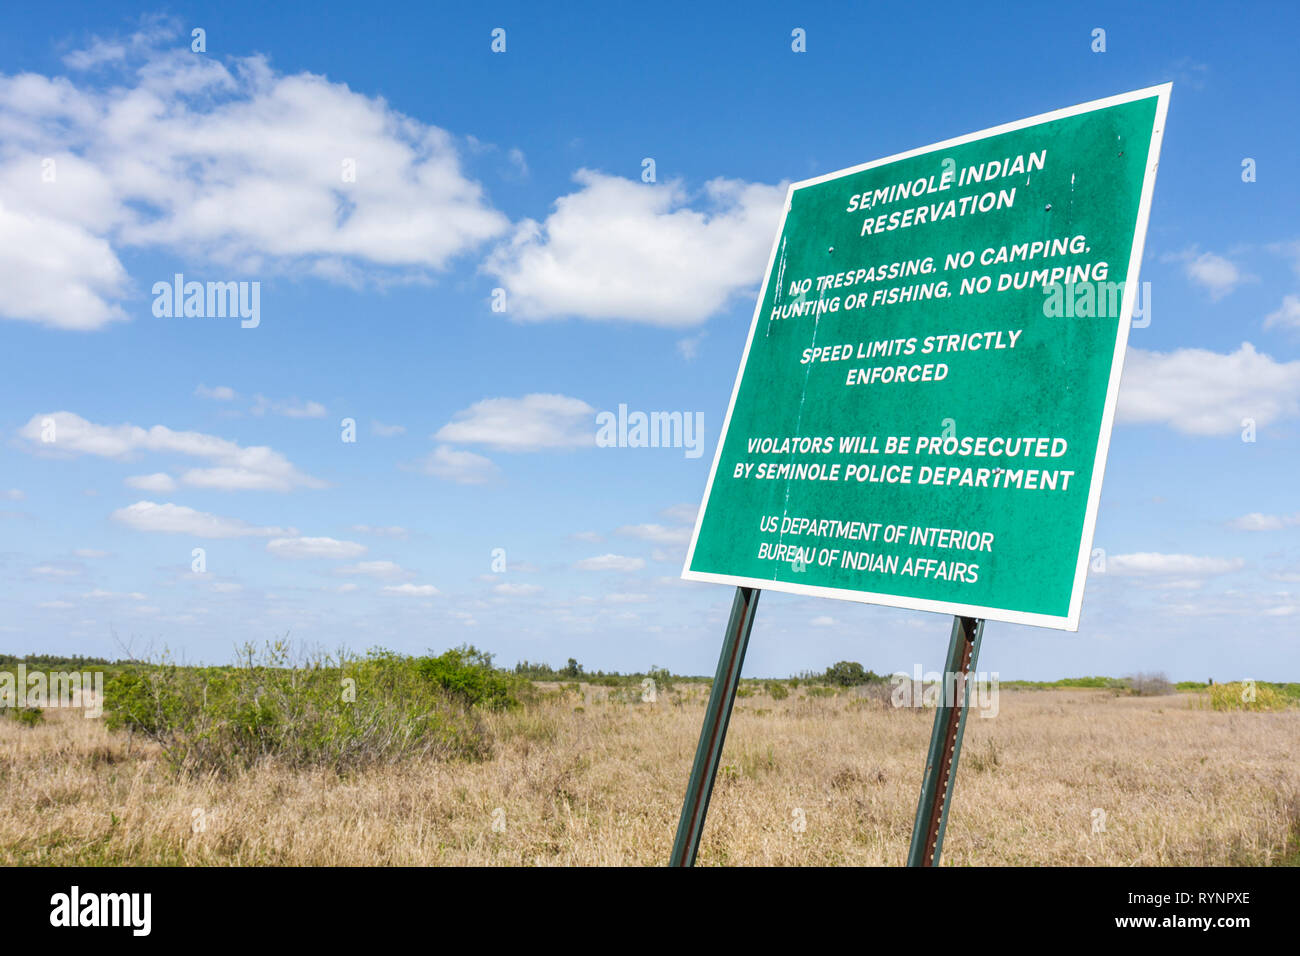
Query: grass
x,y
588,775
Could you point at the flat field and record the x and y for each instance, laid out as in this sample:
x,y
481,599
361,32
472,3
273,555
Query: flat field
x,y
580,776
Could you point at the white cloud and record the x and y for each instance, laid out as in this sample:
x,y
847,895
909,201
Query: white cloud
x,y
220,393
1287,314
689,347
90,553
235,467
13,494
375,569
462,467
292,408
531,423
1210,271
610,562
589,537
683,513
101,595
178,519
657,533
410,590
159,481
54,272
229,162
389,531
1215,273
1199,392
1255,521
56,605
619,597
314,548
517,590
1154,564
58,571
623,250
386,431
823,621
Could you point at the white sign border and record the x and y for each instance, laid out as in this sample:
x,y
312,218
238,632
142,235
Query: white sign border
x,y
1067,623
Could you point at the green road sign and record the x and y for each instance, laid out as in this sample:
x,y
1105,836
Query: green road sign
x,y
925,401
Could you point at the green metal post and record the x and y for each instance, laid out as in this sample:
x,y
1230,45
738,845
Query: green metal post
x,y
722,696
945,744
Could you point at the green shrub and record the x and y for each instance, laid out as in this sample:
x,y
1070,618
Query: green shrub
x,y
1240,695
468,673
662,677
27,716
850,674
776,690
341,715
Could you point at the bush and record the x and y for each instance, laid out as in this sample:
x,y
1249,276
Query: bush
x,y
27,716
662,677
467,673
340,715
1150,685
776,690
1242,696
850,674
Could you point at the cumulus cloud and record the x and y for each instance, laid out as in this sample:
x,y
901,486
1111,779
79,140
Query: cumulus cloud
x,y
220,393
1256,521
531,423
1212,272
462,467
1148,563
657,533
387,531
610,562
297,547
622,597
683,513
386,431
617,249
1199,392
508,589
292,408
225,161
1287,315
233,467
98,594
158,481
374,569
410,590
178,519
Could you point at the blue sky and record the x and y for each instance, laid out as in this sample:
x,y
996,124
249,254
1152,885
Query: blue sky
x,y
523,171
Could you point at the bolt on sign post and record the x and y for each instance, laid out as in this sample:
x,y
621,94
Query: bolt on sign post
x,y
924,404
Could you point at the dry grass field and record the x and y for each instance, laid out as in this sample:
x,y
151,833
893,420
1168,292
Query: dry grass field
x,y
580,778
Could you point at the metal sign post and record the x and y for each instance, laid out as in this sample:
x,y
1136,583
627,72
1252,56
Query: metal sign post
x,y
713,734
945,743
